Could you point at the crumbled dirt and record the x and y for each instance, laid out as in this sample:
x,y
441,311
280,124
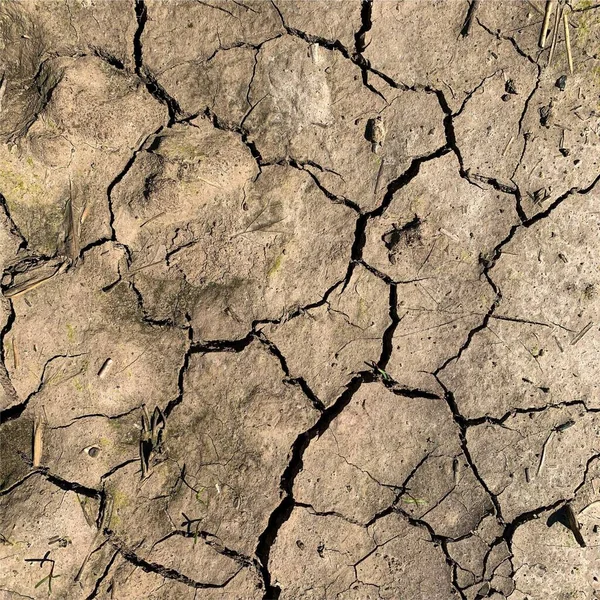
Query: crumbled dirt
x,y
300,300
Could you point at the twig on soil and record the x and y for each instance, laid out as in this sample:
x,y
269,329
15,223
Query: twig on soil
x,y
38,442
105,367
50,575
555,34
582,333
544,32
543,456
15,354
22,288
568,42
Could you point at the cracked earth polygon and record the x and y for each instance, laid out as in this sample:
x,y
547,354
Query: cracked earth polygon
x,y
300,299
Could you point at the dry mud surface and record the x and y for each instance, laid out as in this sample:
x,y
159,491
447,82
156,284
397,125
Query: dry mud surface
x,y
300,300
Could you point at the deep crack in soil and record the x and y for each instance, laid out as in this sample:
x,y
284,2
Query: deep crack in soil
x,y
300,300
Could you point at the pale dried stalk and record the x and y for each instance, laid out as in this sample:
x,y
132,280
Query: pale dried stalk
x,y
544,32
554,34
38,442
31,284
568,42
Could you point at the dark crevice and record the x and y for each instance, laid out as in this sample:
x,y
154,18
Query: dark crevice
x,y
12,411
387,344
282,513
181,376
468,22
588,464
152,85
15,411
326,513
404,179
510,528
96,415
146,318
166,572
510,39
211,540
13,486
219,123
379,274
337,46
109,191
451,142
471,93
440,541
299,381
405,392
109,58
329,195
401,490
461,423
366,13
72,486
204,347
525,135
519,206
473,422
394,186
103,576
118,467
14,229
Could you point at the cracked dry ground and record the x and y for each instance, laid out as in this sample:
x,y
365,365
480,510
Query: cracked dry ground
x,y
367,375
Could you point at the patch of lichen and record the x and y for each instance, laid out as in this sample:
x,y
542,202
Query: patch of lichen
x,y
275,266
587,23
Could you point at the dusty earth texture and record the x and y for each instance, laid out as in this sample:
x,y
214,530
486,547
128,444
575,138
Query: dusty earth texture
x,y
300,300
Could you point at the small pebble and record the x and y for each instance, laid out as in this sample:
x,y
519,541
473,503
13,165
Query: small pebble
x,y
92,451
561,83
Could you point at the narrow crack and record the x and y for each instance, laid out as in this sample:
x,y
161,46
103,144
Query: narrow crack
x,y
13,227
152,85
366,14
461,422
211,540
335,45
5,380
510,39
387,344
166,572
16,410
94,593
298,381
284,510
468,22
71,486
109,191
